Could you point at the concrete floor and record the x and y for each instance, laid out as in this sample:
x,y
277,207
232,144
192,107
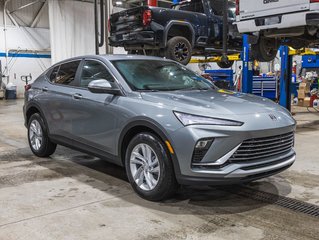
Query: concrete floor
x,y
74,196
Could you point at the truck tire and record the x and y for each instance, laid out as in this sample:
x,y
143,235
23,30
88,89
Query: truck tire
x,y
227,64
179,49
265,50
135,52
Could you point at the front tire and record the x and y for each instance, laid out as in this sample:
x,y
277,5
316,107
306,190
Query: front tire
x,y
265,50
38,138
149,168
179,49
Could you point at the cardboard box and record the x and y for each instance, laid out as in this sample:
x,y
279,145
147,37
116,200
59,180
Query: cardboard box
x,y
306,102
304,87
300,103
301,94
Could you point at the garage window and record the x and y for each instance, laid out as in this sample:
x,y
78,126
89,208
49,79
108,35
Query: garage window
x,y
93,70
65,75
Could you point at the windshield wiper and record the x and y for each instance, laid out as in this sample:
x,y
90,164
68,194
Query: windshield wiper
x,y
147,90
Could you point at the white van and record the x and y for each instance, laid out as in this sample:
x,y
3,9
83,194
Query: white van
x,y
278,22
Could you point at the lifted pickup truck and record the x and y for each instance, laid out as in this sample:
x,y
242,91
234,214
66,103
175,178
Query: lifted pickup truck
x,y
189,28
278,22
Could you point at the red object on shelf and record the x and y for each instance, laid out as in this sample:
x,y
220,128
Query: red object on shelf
x,y
312,99
152,3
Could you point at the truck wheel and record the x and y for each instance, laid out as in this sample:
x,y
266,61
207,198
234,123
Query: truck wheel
x,y
135,52
227,64
179,49
149,168
265,50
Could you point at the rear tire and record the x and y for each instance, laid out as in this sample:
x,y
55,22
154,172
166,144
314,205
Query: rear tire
x,y
265,50
38,138
179,49
149,168
227,64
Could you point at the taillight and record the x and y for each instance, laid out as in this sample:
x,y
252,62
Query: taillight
x,y
27,87
147,17
314,1
237,7
109,25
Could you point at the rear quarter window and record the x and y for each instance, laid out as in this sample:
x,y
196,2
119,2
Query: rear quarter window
x,y
51,75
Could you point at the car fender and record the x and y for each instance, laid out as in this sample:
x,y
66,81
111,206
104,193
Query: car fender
x,y
157,128
34,104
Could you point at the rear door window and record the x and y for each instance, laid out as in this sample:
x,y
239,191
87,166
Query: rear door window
x,y
94,70
193,6
66,73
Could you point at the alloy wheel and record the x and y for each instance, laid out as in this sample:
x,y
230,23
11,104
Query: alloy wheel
x,y
35,135
145,167
181,51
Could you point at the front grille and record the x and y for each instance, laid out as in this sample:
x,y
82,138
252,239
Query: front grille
x,y
260,148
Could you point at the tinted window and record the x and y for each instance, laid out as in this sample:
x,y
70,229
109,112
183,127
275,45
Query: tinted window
x,y
154,75
66,73
218,6
93,70
54,73
194,6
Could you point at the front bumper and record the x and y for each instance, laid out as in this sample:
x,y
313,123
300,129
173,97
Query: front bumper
x,y
240,175
216,167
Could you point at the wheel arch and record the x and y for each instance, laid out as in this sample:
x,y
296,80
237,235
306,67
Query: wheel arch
x,y
145,125
32,109
176,25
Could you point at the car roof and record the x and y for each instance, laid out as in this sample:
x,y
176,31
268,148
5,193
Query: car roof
x,y
112,57
128,57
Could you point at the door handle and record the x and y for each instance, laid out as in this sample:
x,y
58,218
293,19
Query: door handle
x,y
44,89
77,96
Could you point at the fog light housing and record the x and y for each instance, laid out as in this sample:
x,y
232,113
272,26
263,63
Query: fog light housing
x,y
201,148
202,144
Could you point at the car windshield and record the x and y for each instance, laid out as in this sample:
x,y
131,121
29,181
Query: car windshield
x,y
155,75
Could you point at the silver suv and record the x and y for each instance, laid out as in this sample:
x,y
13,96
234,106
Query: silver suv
x,y
164,123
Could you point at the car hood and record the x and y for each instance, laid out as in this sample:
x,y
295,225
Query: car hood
x,y
212,102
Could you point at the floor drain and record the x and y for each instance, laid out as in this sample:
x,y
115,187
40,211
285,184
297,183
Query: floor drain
x,y
285,202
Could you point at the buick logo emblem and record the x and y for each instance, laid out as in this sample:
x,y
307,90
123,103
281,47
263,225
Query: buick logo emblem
x,y
273,117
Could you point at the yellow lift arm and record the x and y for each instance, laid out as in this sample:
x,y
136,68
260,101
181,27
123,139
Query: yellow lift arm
x,y
236,57
233,57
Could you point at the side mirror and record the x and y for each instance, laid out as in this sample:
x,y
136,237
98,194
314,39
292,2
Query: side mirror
x,y
103,86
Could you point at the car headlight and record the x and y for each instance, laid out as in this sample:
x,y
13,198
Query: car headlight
x,y
189,119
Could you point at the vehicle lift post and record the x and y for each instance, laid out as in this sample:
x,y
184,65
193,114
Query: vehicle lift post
x,y
285,77
247,74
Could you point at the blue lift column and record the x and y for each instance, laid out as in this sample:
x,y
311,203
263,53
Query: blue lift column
x,y
247,77
285,78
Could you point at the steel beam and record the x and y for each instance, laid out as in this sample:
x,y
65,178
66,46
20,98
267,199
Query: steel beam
x,y
285,78
247,79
